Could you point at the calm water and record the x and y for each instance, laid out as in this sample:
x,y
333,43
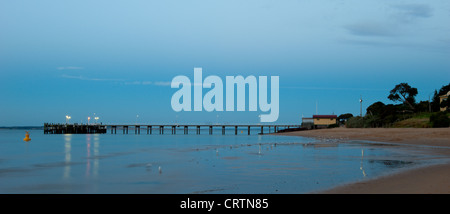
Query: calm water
x,y
188,163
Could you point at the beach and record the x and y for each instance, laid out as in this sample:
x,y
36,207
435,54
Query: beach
x,y
433,179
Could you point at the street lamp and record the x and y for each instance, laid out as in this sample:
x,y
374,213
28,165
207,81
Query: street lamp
x,y
89,118
360,108
67,119
429,101
96,119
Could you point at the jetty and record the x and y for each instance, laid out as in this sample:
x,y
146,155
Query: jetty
x,y
57,128
51,128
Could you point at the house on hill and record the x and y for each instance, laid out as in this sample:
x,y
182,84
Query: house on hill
x,y
442,98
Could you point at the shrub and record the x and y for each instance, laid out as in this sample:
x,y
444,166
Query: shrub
x,y
439,119
333,126
355,122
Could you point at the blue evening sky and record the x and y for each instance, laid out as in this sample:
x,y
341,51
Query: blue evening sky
x,y
117,58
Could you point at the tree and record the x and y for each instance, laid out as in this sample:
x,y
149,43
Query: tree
x,y
435,105
404,92
423,106
376,109
355,122
344,117
444,89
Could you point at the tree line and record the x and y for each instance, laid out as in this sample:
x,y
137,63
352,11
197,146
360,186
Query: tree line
x,y
379,114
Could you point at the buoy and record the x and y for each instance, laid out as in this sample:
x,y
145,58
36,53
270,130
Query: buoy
x,y
27,137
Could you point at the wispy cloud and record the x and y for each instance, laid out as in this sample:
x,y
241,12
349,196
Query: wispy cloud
x,y
165,83
408,11
88,78
139,83
334,88
124,82
70,68
441,46
371,29
400,27
400,18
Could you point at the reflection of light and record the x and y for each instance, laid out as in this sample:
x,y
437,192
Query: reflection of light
x,y
95,148
96,153
88,151
361,167
68,157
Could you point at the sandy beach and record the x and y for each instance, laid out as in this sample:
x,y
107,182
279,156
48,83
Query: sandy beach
x,y
433,179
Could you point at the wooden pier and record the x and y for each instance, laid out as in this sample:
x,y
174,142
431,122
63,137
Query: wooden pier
x,y
160,128
52,128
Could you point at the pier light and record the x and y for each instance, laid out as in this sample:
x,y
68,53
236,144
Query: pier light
x,y
67,118
96,119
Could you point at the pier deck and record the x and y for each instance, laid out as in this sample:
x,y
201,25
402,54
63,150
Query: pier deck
x,y
160,128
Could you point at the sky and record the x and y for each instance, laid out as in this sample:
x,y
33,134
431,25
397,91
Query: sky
x,y
116,59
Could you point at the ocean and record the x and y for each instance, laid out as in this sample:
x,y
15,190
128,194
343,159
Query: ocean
x,y
185,164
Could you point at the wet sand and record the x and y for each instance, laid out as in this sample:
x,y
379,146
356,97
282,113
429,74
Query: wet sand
x,y
434,179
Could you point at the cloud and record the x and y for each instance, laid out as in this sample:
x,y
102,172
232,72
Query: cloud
x,y
441,46
70,68
88,78
124,82
402,17
371,29
414,10
160,83
166,83
334,88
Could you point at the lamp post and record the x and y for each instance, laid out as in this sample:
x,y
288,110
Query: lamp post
x,y
360,108
96,119
67,119
429,101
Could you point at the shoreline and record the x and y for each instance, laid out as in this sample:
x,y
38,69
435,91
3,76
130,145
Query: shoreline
x,y
429,179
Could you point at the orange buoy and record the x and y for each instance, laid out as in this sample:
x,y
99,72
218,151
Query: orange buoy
x,y
27,137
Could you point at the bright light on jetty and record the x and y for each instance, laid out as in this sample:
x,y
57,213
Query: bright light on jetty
x,y
67,118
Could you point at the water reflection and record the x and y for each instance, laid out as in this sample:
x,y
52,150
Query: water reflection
x,y
188,163
67,156
362,160
96,154
95,148
88,154
393,163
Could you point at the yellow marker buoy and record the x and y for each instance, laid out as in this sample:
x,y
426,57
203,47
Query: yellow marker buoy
x,y
27,137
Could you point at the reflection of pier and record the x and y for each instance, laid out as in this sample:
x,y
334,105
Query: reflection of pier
x,y
102,129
